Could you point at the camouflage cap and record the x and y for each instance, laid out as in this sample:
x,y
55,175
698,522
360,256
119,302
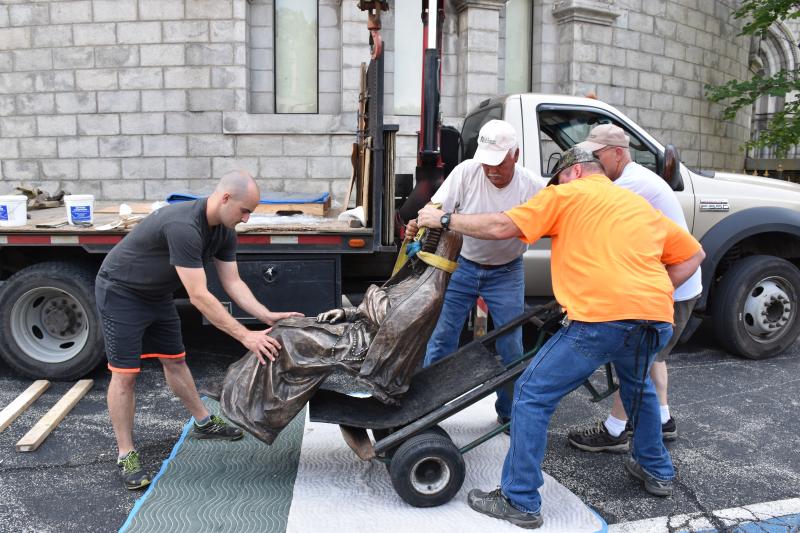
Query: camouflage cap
x,y
571,157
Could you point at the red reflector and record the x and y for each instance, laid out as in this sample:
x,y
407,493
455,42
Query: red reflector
x,y
253,239
29,239
99,239
319,239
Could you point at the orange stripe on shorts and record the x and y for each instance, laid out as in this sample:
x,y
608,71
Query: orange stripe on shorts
x,y
163,355
124,370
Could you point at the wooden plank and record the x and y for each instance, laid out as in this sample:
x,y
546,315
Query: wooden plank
x,y
22,402
353,174
312,208
367,175
34,438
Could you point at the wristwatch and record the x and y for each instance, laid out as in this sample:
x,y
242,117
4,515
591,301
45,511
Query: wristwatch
x,y
445,220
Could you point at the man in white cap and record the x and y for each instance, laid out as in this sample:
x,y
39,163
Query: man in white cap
x,y
611,146
490,182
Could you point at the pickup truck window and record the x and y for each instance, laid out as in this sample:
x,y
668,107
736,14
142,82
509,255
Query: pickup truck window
x,y
472,125
562,128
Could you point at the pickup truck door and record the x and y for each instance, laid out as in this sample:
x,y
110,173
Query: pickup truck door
x,y
558,127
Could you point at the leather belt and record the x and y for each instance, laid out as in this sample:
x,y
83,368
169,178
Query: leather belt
x,y
486,267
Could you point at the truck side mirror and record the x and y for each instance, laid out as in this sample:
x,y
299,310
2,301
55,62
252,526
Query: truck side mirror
x,y
671,168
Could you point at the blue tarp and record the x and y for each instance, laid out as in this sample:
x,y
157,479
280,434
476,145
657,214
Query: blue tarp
x,y
285,199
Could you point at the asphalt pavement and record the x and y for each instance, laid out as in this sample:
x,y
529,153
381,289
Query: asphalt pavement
x,y
737,444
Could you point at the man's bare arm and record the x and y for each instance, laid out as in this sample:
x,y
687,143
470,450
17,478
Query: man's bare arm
x,y
194,280
680,272
241,294
489,226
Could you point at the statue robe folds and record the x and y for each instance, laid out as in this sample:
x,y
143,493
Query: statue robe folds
x,y
376,350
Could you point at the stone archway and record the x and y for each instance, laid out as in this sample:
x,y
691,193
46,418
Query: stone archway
x,y
775,51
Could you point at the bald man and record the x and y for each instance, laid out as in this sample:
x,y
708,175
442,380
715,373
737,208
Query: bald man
x,y
169,249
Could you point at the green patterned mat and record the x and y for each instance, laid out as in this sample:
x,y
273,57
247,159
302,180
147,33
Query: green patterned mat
x,y
222,486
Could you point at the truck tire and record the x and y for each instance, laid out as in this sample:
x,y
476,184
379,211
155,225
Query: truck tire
x,y
427,470
755,307
49,326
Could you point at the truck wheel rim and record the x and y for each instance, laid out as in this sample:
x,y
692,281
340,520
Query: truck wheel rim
x,y
768,309
430,475
49,325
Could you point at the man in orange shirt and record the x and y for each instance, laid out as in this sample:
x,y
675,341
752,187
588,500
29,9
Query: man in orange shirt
x,y
615,262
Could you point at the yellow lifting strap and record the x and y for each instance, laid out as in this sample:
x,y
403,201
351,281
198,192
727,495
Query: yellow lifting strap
x,y
438,261
428,258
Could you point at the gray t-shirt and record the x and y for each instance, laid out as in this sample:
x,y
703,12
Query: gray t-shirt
x,y
177,235
467,190
655,190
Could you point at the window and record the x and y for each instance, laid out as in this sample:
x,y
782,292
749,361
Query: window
x,y
296,56
472,126
562,128
518,46
407,58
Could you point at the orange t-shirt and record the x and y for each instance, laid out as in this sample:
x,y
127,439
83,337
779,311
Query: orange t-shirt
x,y
609,249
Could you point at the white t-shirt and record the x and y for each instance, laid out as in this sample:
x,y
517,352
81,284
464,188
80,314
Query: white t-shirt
x,y
655,190
467,190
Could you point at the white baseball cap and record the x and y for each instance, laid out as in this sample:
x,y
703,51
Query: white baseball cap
x,y
495,139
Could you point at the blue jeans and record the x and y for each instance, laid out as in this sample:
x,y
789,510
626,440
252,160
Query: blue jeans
x,y
503,290
563,364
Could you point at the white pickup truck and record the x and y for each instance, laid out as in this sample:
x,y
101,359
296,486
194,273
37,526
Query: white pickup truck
x,y
749,227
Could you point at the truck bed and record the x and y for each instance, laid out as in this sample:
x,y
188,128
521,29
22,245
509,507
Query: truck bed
x,y
258,225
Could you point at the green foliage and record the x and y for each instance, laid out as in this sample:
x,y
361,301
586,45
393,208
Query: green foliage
x,y
762,13
783,130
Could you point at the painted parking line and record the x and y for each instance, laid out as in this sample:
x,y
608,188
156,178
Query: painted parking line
x,y
777,516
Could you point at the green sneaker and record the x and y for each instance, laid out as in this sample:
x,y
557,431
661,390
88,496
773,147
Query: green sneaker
x,y
133,476
217,428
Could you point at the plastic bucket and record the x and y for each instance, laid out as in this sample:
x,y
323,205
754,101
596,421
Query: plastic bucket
x,y
80,208
13,210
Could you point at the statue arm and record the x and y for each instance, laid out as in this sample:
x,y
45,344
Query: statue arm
x,y
375,305
374,308
346,314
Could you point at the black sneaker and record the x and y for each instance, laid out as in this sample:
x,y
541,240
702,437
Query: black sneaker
x,y
133,476
654,486
217,428
502,420
598,439
669,430
496,505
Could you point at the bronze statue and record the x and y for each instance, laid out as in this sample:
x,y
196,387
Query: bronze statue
x,y
373,349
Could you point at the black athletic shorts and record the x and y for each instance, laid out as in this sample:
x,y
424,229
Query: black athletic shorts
x,y
135,328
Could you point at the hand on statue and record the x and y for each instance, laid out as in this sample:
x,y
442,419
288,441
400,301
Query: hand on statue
x,y
430,217
333,316
261,344
270,318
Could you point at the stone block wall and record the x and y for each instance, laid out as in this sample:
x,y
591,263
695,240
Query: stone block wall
x,y
119,98
133,99
651,59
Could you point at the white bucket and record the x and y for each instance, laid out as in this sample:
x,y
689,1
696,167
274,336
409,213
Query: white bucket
x,y
80,208
13,210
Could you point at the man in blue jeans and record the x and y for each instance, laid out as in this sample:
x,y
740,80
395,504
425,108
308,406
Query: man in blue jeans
x,y
615,263
489,182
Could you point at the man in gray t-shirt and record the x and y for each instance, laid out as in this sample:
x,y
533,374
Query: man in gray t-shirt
x,y
134,288
491,182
